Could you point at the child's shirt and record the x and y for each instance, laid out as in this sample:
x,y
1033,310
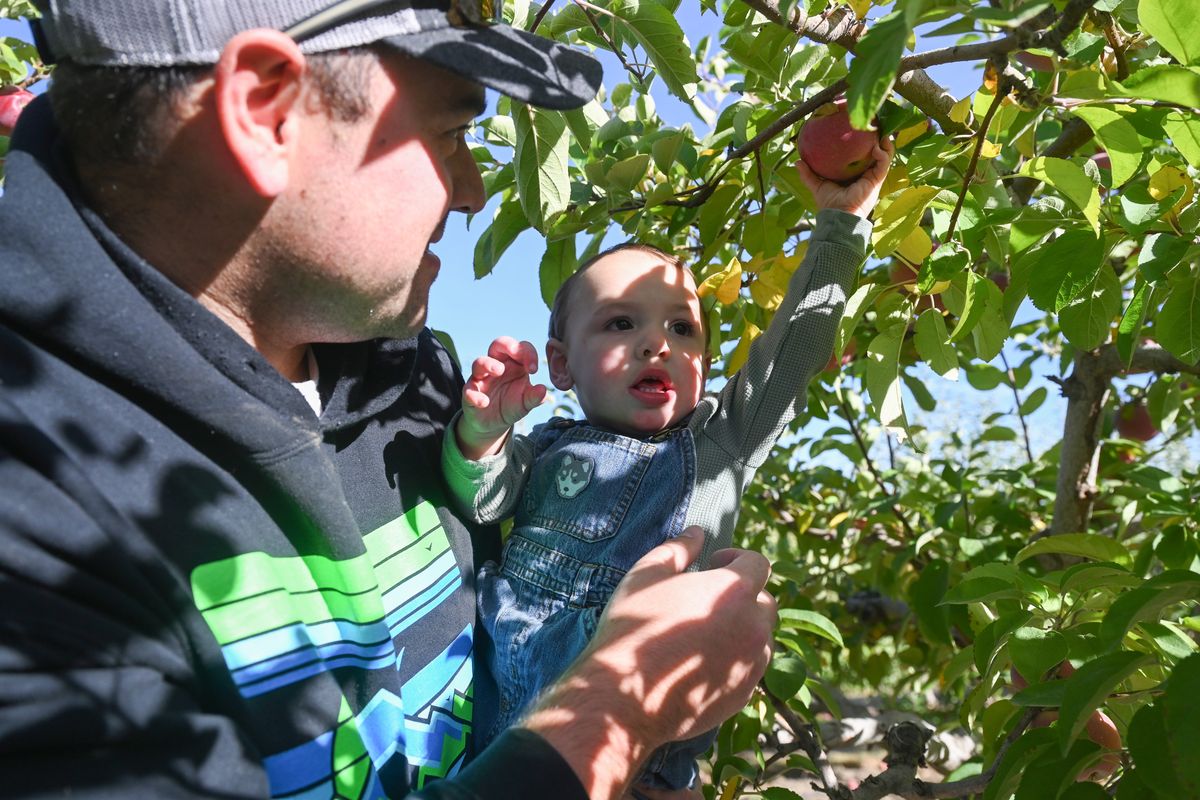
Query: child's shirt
x,y
588,503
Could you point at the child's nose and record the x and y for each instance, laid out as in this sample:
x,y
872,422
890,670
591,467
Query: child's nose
x,y
655,344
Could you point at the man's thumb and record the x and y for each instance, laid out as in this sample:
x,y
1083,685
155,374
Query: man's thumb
x,y
674,555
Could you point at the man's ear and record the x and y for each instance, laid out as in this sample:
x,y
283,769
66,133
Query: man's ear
x,y
258,83
556,362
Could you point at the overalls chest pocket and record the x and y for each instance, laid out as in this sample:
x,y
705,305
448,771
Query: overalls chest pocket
x,y
584,483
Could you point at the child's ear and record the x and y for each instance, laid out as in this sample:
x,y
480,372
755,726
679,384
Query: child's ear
x,y
556,361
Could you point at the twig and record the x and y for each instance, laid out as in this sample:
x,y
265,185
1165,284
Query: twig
x,y
1012,383
537,20
587,9
806,738
862,446
980,139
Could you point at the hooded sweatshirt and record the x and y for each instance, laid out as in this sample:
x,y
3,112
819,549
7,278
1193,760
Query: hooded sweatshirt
x,y
206,590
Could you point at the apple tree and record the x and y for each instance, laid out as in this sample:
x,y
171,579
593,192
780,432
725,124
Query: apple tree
x,y
1020,608
1035,253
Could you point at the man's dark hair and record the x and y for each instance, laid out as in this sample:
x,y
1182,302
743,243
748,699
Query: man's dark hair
x,y
118,116
558,311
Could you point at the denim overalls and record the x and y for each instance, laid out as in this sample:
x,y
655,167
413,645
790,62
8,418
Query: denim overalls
x,y
595,503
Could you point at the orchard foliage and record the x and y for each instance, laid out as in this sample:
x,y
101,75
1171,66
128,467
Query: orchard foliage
x,y
1045,223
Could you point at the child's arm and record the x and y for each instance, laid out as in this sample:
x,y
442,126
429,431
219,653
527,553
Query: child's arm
x,y
769,391
496,396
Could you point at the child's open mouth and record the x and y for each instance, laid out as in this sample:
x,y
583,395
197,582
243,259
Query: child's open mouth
x,y
652,388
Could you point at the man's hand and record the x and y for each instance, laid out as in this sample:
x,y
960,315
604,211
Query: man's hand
x,y
675,653
859,197
497,394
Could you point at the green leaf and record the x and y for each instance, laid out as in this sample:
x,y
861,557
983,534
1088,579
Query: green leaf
x,y
1184,131
1089,687
1141,210
655,28
1181,719
540,157
979,590
925,595
1016,759
1071,181
1170,83
1129,331
1087,545
1153,753
811,622
856,306
976,303
715,214
626,174
873,70
1087,320
1065,269
1176,26
1118,138
785,677
933,344
1161,252
1104,575
883,381
665,150
1034,401
1178,325
509,221
1044,695
1146,602
989,639
1035,651
919,392
585,121
558,264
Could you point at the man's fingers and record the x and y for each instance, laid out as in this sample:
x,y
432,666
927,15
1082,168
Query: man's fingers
x,y
674,555
754,567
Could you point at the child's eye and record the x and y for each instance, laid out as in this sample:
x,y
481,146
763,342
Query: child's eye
x,y
620,324
683,328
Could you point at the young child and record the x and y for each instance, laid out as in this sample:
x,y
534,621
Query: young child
x,y
592,497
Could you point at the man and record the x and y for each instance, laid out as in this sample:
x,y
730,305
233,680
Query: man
x,y
210,587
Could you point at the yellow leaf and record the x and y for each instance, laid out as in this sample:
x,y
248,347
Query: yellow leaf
x,y
897,179
915,247
1166,181
841,516
911,133
989,150
961,112
900,218
765,296
740,353
723,285
1025,141
860,7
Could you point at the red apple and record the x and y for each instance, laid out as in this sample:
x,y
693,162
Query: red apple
x,y
13,100
847,356
1035,61
832,148
1100,729
1101,160
1133,422
1000,279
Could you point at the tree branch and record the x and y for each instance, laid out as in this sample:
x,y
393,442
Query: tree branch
x,y
1012,383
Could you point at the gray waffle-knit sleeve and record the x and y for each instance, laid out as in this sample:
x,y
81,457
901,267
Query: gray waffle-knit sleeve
x,y
487,490
735,434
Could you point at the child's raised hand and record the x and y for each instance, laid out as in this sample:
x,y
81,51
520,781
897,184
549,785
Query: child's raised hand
x,y
497,394
859,197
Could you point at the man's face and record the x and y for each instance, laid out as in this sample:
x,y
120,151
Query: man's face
x,y
371,196
634,344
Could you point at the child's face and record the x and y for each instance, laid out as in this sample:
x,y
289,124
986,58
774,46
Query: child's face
x,y
633,346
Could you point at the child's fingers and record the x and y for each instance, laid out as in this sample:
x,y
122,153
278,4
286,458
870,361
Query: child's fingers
x,y
476,399
534,396
486,367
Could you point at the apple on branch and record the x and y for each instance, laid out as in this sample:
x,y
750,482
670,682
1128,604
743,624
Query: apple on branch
x,y
13,100
1133,422
834,149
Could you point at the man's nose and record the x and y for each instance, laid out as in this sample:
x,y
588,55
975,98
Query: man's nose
x,y
468,193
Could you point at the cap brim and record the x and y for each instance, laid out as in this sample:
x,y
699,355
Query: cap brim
x,y
524,66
